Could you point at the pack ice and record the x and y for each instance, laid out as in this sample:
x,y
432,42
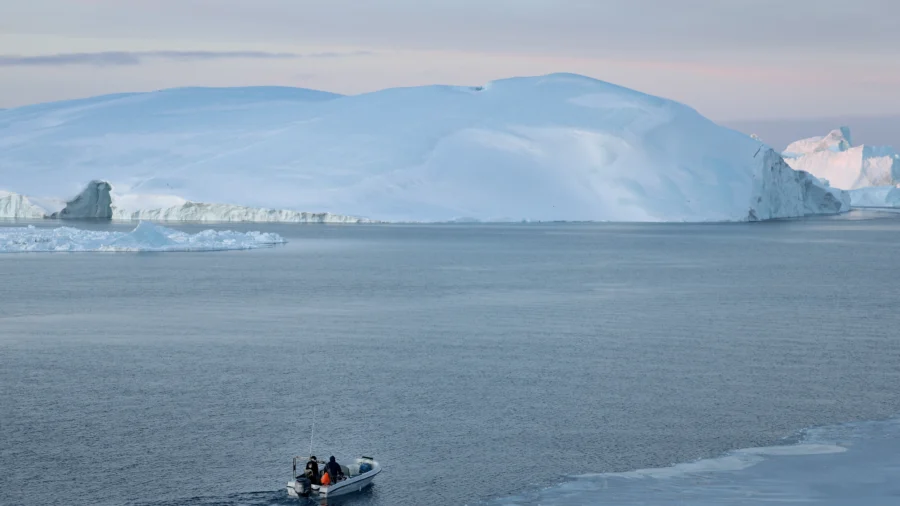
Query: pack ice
x,y
556,147
145,237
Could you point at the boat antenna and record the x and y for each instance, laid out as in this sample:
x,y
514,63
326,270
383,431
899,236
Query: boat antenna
x,y
312,431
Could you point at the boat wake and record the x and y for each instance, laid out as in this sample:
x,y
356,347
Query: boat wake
x,y
267,498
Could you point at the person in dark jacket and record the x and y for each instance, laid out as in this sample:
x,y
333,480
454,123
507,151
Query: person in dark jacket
x,y
312,470
334,470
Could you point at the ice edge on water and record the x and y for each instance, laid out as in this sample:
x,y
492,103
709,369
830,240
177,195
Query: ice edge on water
x,y
146,236
733,461
836,465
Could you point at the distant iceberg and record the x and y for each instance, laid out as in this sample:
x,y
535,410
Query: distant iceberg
x,y
13,205
835,158
879,196
203,212
93,202
837,141
559,147
97,201
870,173
145,237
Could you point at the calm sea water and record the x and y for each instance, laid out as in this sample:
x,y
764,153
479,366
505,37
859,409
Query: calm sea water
x,y
477,363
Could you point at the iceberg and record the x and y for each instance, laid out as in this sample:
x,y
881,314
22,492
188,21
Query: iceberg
x,y
880,196
145,237
845,166
560,147
96,202
15,206
202,212
93,202
837,141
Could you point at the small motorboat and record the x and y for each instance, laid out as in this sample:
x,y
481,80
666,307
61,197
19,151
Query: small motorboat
x,y
357,476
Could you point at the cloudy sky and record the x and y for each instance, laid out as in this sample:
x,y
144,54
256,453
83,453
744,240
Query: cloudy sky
x,y
731,59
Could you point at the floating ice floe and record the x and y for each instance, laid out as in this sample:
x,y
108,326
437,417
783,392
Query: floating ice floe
x,y
145,237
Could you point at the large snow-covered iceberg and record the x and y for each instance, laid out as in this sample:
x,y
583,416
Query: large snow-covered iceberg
x,y
145,237
835,159
556,147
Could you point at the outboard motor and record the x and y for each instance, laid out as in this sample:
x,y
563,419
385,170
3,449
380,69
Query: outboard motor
x,y
302,486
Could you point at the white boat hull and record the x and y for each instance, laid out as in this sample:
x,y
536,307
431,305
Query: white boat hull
x,y
346,486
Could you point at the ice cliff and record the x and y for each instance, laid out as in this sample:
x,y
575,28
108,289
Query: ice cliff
x,y
202,212
556,147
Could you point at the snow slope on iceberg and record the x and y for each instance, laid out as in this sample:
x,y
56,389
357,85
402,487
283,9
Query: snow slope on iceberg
x,y
845,166
145,237
558,147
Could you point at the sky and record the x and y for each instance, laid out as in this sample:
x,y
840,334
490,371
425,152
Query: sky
x,y
730,59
